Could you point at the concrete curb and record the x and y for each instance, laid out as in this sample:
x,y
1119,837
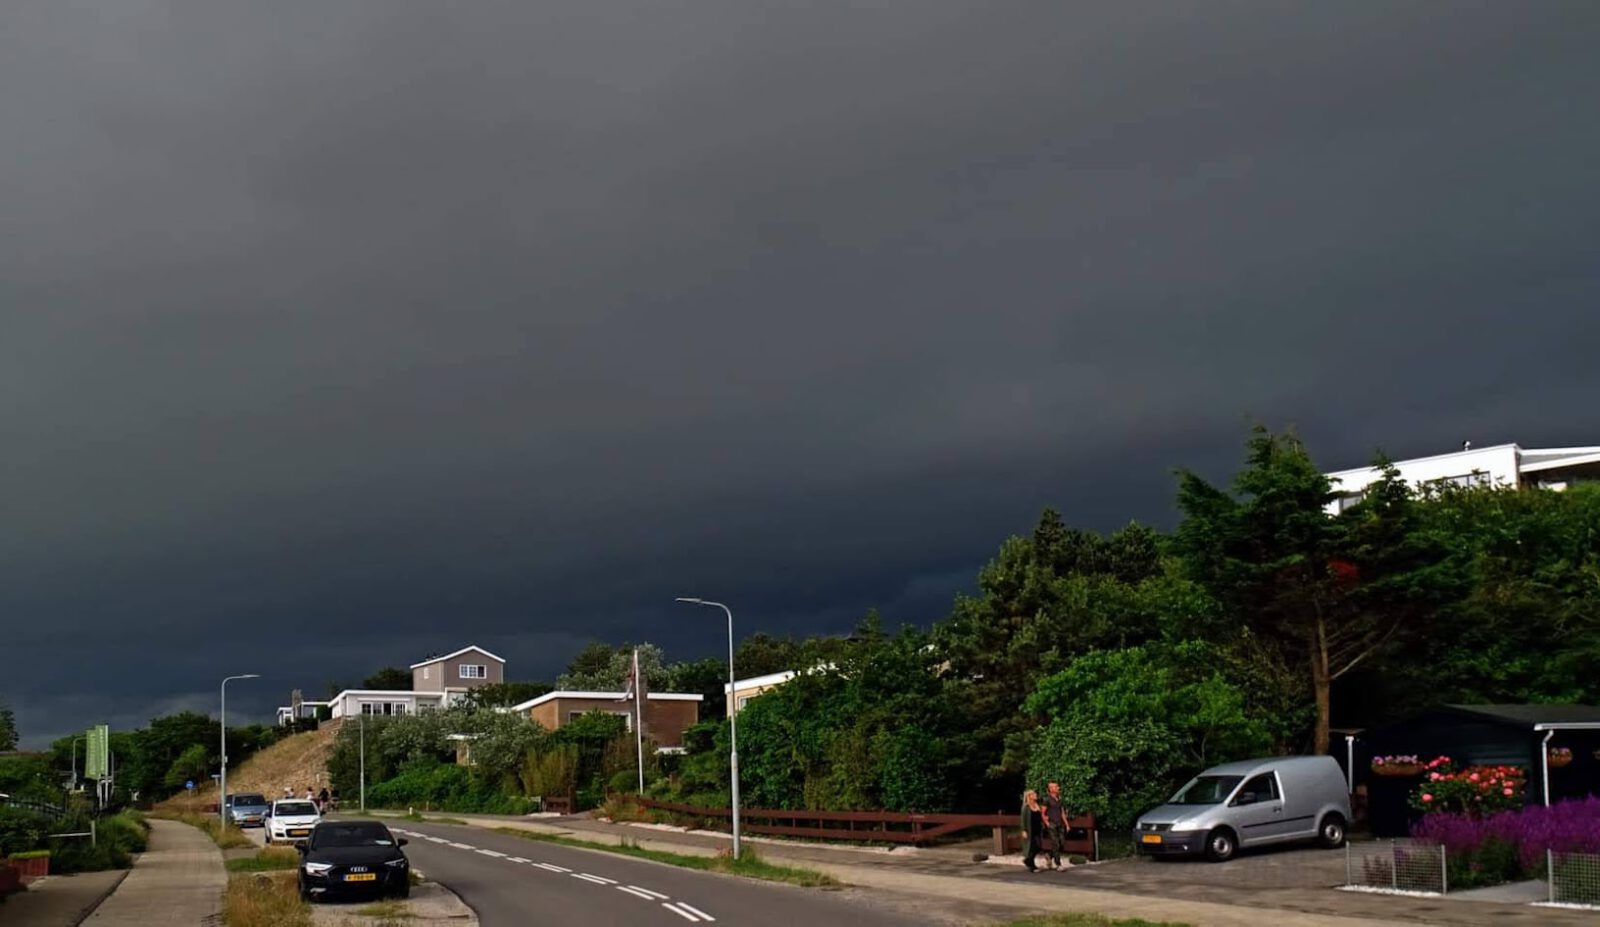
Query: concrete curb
x,y
96,903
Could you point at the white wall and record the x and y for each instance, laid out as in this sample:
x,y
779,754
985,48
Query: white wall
x,y
1497,465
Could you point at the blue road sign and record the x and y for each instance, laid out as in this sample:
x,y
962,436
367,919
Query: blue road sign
x,y
189,785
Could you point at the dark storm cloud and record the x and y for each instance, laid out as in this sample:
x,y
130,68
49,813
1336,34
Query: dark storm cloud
x,y
377,328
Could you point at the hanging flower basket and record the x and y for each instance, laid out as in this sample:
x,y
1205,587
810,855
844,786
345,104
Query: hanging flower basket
x,y
1559,757
1396,766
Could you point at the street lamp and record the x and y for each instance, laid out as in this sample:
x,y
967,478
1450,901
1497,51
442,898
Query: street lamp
x,y
222,787
733,717
75,761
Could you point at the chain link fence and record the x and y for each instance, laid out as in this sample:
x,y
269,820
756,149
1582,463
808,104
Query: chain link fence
x,y
1574,878
1396,866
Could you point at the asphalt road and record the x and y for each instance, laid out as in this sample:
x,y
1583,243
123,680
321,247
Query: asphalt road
x,y
511,882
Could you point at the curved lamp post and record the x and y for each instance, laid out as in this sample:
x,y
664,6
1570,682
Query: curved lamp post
x,y
733,718
222,783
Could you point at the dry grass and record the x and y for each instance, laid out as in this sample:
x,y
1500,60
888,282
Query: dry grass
x,y
268,860
264,899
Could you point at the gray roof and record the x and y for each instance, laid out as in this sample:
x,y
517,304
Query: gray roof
x,y
1529,715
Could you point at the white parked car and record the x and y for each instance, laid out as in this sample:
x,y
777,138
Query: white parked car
x,y
291,820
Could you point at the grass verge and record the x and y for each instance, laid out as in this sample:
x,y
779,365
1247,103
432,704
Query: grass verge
x,y
227,838
1085,920
749,864
270,859
422,818
264,899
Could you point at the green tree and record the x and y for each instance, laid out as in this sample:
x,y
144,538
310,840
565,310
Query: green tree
x,y
707,678
587,674
1117,771
390,678
761,654
194,763
506,694
1331,591
8,728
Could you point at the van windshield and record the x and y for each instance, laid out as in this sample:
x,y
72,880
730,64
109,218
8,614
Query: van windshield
x,y
1206,790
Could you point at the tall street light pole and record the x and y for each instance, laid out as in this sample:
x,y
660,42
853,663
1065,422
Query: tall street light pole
x,y
222,783
733,718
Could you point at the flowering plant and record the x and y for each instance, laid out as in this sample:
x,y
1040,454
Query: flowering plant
x,y
1398,765
1560,756
1470,841
1474,790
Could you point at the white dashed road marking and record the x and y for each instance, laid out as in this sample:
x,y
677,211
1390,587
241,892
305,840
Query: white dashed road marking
x,y
680,912
551,867
636,892
462,846
695,911
516,859
648,893
589,878
495,853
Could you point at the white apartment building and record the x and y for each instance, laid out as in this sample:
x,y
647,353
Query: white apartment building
x,y
1505,465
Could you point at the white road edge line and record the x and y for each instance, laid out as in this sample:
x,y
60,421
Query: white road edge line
x,y
652,894
635,892
589,878
694,910
679,911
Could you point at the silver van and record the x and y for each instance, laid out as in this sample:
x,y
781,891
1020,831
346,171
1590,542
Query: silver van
x,y
1249,804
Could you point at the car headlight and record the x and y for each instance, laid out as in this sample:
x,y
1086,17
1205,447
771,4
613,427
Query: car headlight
x,y
396,863
317,868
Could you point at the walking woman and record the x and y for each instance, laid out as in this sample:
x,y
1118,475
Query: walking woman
x,y
1032,827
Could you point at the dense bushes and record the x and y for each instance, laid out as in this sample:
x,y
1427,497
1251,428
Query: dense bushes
x,y
1510,845
442,787
118,837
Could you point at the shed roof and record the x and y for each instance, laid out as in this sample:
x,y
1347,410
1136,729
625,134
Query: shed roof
x,y
1530,715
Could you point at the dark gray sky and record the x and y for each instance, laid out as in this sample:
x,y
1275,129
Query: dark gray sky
x,y
334,335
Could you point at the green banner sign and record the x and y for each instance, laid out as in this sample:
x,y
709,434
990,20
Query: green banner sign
x,y
97,752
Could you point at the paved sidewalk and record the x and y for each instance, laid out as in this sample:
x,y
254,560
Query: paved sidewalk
x,y
59,900
1115,889
178,880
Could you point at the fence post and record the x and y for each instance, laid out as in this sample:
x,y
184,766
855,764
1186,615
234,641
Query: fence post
x,y
1349,879
1550,871
1096,833
1394,865
1444,872
94,837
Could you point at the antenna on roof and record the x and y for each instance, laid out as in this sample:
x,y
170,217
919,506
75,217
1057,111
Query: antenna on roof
x,y
1466,445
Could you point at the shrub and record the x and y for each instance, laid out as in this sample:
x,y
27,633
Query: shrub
x,y
21,830
1509,845
444,787
1473,790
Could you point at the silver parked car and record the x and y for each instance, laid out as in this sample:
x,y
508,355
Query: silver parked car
x,y
1249,804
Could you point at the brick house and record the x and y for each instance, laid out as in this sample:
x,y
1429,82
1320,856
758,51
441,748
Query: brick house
x,y
666,715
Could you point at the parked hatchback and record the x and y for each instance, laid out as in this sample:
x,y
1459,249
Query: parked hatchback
x,y
353,857
291,820
248,809
1249,804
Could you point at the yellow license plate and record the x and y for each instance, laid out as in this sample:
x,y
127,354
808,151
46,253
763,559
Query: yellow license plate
x,y
299,833
1151,838
361,877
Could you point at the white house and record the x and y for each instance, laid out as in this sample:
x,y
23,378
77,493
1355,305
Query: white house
x,y
741,691
1504,465
353,702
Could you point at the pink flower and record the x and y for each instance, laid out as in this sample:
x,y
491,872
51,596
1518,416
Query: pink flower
x,y
1427,797
1473,777
1434,777
1508,791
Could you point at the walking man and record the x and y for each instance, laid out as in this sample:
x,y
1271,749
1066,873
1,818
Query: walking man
x,y
1055,818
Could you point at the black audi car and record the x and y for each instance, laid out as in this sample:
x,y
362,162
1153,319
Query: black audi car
x,y
353,858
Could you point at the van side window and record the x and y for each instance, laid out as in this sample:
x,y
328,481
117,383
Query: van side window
x,y
1265,787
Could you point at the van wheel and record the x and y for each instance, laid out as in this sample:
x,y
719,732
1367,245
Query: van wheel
x,y
1331,832
1220,845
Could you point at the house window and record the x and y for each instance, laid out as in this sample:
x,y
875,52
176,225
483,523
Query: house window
x,y
425,671
474,671
744,700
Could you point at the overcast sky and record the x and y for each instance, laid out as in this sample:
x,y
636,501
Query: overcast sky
x,y
336,335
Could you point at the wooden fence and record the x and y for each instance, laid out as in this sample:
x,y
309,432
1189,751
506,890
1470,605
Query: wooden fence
x,y
911,828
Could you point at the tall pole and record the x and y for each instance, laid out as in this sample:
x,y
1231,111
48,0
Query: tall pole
x,y
364,756
222,780
75,761
733,720
638,721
